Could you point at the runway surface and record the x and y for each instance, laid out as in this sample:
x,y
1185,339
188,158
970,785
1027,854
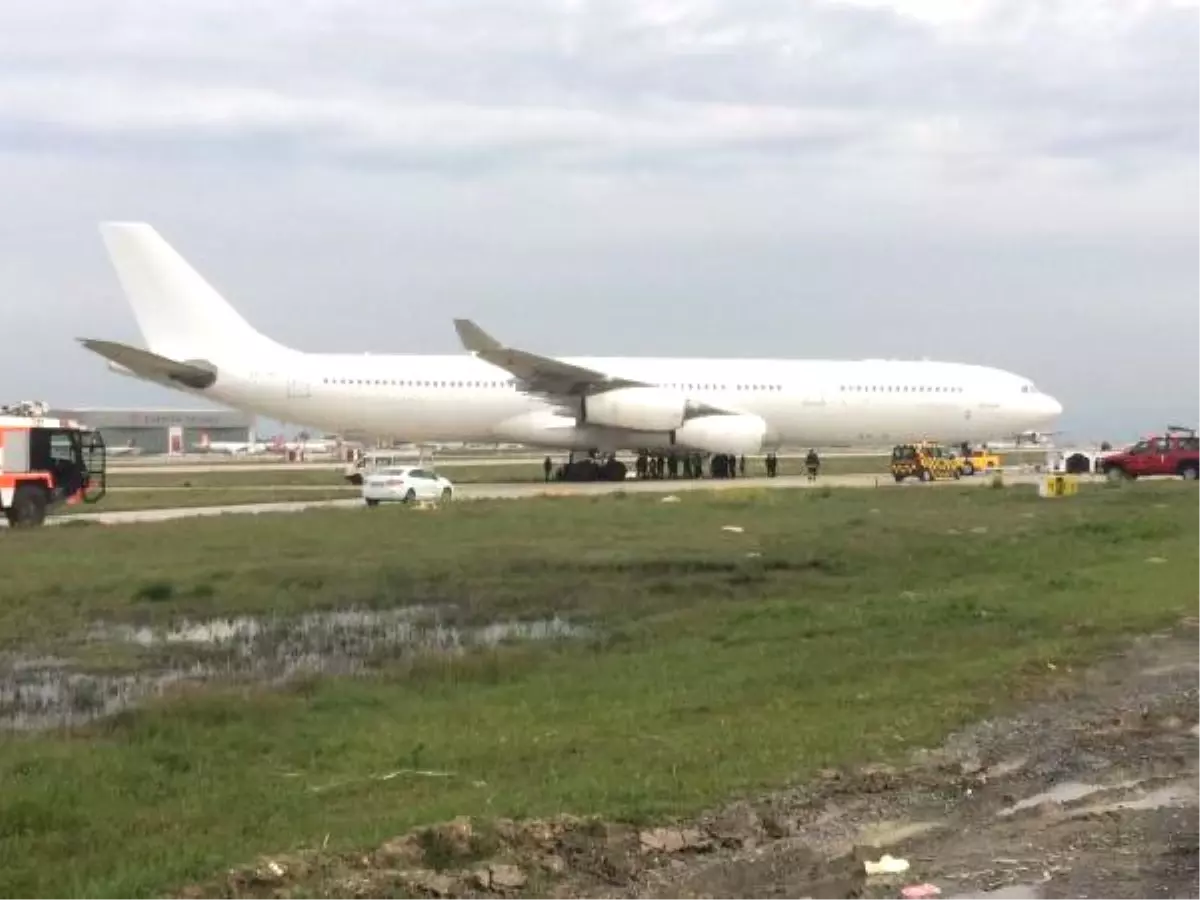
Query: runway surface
x,y
193,465
554,489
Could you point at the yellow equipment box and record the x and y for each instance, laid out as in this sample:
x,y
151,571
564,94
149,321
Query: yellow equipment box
x,y
1058,486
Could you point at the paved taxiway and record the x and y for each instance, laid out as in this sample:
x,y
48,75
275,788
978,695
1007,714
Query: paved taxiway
x,y
194,465
554,489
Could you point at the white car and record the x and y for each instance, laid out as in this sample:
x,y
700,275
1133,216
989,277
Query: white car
x,y
405,484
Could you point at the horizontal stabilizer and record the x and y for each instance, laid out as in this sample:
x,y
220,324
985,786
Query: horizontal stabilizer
x,y
151,366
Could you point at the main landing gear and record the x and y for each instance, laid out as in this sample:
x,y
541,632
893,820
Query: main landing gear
x,y
593,467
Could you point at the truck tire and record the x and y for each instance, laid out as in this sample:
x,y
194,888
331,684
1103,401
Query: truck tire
x,y
968,469
28,508
1188,471
926,475
1116,474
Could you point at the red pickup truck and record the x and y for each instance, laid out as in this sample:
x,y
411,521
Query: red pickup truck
x,y
1175,453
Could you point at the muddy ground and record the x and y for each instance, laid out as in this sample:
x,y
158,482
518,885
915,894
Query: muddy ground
x,y
1092,791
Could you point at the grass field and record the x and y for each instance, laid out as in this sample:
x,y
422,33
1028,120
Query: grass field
x,y
280,475
839,626
170,497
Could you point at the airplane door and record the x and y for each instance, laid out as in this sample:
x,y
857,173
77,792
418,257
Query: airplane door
x,y
298,389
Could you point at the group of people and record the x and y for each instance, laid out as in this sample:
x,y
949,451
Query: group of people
x,y
721,465
668,465
691,465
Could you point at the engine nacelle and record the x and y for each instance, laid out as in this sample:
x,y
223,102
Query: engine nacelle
x,y
544,428
736,434
635,408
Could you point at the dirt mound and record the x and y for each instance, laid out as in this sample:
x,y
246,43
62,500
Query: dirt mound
x,y
565,856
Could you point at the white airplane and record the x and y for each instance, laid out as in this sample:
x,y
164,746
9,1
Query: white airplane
x,y
197,343
304,445
230,448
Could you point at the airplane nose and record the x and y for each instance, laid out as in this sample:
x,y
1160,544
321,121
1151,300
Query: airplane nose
x,y
1051,408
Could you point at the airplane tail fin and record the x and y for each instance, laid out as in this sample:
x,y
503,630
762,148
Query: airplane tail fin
x,y
179,314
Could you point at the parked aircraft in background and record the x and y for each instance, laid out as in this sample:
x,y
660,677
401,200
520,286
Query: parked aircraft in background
x,y
231,448
197,343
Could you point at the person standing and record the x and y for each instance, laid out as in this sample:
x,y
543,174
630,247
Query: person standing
x,y
812,463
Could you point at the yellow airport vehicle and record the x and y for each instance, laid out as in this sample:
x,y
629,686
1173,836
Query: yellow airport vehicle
x,y
979,461
924,461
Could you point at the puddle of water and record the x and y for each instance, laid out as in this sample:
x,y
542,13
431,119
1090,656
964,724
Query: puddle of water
x,y
1005,768
887,834
1066,792
47,692
1168,670
1179,793
1030,890
45,698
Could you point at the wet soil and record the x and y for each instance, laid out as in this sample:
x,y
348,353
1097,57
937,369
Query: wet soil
x,y
139,663
1090,791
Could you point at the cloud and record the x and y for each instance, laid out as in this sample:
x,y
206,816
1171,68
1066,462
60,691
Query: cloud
x,y
481,84
1008,181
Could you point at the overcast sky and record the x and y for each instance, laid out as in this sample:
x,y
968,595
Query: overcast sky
x,y
1012,182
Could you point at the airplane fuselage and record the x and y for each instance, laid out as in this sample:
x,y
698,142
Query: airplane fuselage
x,y
461,398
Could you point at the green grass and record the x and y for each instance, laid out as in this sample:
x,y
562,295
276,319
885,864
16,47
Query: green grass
x,y
870,622
273,475
281,474
168,498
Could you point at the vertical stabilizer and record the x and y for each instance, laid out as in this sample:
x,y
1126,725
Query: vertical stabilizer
x,y
179,314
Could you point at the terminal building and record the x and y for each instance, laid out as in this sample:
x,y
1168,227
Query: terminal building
x,y
154,432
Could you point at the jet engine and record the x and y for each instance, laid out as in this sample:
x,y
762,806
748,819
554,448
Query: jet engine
x,y
635,408
735,434
543,428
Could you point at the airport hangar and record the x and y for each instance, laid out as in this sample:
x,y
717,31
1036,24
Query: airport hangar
x,y
154,432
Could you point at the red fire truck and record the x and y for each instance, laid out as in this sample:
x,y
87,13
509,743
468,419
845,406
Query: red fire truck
x,y
45,462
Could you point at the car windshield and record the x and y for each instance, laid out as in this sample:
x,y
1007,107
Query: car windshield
x,y
393,471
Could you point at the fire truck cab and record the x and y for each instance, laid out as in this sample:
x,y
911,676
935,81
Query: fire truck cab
x,y
45,462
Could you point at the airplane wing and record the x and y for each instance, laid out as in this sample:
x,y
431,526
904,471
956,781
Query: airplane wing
x,y
537,374
145,364
551,378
